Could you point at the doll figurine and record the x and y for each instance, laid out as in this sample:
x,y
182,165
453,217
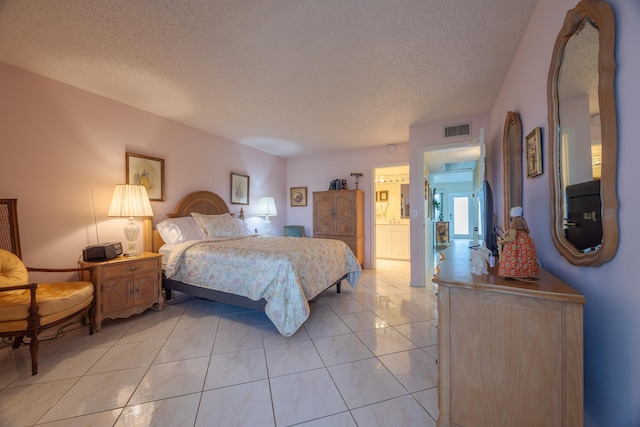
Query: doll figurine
x,y
517,251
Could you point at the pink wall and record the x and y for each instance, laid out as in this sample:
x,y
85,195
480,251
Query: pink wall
x,y
316,172
611,315
59,143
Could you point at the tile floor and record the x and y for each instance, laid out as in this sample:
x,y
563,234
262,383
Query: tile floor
x,y
364,358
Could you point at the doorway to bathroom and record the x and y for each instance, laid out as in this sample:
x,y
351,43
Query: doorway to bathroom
x,y
392,208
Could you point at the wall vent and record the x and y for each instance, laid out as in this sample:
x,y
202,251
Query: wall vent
x,y
459,166
454,131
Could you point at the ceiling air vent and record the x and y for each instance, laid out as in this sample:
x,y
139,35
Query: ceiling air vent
x,y
463,129
459,166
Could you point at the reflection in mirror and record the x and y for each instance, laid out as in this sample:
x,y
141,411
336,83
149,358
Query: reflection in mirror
x,y
405,206
512,163
580,139
583,136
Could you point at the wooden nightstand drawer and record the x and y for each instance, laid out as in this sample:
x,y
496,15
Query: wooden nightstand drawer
x,y
132,267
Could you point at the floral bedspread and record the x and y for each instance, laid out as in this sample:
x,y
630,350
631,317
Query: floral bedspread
x,y
285,271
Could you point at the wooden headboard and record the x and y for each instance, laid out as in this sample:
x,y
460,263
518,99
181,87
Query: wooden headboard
x,y
204,202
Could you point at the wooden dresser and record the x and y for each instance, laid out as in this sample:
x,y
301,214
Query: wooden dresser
x,y
125,286
511,352
339,215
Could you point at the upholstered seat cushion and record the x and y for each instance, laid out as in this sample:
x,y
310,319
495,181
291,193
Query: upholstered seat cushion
x,y
55,300
12,270
294,230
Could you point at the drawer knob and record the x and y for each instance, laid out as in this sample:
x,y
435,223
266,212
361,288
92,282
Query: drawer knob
x,y
132,268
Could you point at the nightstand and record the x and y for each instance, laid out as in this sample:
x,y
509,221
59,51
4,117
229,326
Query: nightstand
x,y
126,285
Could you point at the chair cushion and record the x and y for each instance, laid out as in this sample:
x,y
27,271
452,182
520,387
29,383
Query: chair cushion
x,y
12,270
55,301
294,230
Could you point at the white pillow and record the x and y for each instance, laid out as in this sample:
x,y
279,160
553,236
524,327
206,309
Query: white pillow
x,y
216,225
178,230
244,231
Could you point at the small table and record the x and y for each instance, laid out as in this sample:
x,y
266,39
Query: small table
x,y
125,286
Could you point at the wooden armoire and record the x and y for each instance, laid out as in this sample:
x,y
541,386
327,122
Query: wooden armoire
x,y
339,214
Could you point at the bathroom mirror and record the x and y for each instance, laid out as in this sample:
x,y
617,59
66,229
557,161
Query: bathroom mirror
x,y
583,141
512,163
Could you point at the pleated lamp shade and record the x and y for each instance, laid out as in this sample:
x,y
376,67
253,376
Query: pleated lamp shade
x,y
267,207
129,201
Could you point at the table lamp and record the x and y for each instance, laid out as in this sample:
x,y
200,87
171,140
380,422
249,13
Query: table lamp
x,y
129,201
267,207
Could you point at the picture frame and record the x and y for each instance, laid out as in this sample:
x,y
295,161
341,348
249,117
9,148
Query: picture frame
x,y
298,196
384,195
147,171
428,197
533,146
442,234
239,189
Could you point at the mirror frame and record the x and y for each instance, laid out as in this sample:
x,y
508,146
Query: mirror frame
x,y
512,164
601,14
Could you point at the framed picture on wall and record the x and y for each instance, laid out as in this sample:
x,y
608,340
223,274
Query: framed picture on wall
x,y
239,189
384,196
298,196
442,234
534,153
147,171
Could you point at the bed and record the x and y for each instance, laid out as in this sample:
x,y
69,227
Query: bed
x,y
279,275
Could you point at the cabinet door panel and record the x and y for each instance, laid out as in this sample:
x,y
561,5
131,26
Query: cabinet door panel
x,y
345,214
117,294
508,360
323,227
383,243
323,214
146,287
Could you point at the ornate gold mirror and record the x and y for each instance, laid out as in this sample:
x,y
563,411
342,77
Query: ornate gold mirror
x,y
512,163
583,140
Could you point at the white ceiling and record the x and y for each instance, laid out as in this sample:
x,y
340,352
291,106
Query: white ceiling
x,y
289,77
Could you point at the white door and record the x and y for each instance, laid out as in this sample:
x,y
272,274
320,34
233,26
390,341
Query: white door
x,y
461,214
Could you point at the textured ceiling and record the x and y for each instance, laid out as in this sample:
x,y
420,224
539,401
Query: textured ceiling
x,y
289,77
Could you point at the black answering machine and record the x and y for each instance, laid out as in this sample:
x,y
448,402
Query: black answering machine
x,y
102,251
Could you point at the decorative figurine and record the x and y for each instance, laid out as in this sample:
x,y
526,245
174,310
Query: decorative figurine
x,y
516,249
479,259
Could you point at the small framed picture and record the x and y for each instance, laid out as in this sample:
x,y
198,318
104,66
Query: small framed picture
x,y
147,171
298,196
239,189
534,153
384,196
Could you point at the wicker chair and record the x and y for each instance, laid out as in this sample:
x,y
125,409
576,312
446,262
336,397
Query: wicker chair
x,y
26,308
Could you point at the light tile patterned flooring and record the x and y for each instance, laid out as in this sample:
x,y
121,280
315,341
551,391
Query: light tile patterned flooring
x,y
364,358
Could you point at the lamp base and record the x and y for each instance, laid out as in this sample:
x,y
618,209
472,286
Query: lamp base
x,y
131,233
131,252
267,225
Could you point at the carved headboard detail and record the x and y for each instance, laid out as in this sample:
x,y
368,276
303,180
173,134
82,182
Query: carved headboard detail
x,y
204,202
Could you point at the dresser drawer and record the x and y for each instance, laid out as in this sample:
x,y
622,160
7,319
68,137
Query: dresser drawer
x,y
133,267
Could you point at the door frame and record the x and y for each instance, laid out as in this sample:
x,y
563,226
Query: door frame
x,y
422,249
372,190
